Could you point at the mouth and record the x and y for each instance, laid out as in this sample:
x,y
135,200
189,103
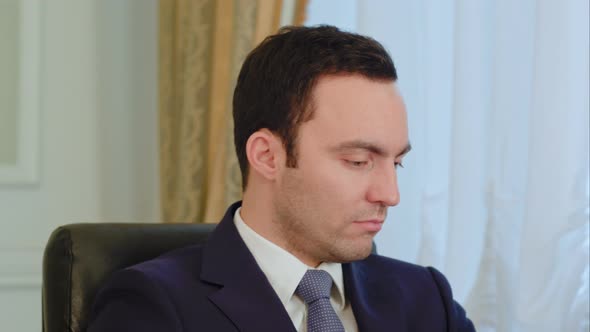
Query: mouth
x,y
371,225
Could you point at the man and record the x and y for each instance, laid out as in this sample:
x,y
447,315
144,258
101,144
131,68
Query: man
x,y
320,130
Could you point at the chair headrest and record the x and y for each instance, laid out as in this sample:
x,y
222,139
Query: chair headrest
x,y
79,258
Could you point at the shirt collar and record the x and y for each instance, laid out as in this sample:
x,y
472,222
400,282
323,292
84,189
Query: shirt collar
x,y
283,270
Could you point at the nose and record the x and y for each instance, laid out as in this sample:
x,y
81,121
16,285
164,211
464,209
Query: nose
x,y
383,188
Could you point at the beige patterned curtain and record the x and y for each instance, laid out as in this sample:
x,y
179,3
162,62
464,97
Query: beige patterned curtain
x,y
202,46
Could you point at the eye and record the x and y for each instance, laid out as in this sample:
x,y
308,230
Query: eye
x,y
398,164
357,163
361,164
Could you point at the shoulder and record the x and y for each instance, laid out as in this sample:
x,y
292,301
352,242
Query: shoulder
x,y
420,287
165,276
392,268
146,296
404,271
414,282
183,262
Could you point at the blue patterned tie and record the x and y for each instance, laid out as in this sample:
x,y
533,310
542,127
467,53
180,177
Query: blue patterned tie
x,y
314,289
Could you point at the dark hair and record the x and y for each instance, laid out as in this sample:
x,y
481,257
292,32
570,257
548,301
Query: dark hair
x,y
274,85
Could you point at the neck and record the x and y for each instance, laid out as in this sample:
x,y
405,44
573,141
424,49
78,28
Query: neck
x,y
256,212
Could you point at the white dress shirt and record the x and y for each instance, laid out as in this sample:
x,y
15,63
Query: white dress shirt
x,y
284,272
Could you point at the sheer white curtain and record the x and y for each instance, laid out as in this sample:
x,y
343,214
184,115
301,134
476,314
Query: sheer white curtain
x,y
495,192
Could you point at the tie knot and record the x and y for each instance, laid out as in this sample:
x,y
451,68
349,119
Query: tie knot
x,y
314,285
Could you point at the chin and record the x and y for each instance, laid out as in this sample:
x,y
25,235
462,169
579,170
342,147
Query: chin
x,y
350,254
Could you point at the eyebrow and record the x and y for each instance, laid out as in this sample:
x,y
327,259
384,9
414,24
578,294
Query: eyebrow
x,y
364,145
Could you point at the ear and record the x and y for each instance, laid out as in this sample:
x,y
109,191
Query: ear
x,y
265,153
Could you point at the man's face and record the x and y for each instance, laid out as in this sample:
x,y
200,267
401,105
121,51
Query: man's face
x,y
333,203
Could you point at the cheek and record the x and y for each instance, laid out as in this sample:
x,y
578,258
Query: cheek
x,y
334,185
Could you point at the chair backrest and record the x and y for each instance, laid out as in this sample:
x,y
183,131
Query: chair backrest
x,y
80,257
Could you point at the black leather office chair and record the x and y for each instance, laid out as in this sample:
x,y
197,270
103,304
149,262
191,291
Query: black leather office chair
x,y
80,257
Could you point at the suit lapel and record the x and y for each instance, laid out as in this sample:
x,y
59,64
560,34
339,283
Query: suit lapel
x,y
245,297
376,306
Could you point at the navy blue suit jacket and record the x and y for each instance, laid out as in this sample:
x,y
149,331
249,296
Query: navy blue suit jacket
x,y
219,287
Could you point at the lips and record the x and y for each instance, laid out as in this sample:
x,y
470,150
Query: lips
x,y
373,225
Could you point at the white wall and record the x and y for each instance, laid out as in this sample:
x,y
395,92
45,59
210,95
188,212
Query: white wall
x,y
98,139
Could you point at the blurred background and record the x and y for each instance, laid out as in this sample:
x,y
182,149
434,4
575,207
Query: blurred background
x,y
120,111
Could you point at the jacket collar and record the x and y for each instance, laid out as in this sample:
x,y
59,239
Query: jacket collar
x,y
245,297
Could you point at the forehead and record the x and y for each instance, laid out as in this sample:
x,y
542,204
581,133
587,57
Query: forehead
x,y
348,108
